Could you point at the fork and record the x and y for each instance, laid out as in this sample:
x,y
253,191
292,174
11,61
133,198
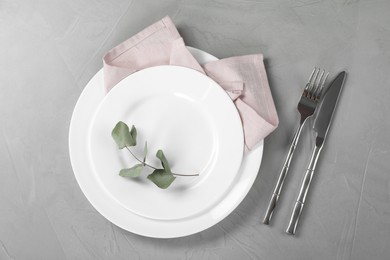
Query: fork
x,y
311,96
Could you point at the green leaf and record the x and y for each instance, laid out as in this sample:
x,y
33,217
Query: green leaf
x,y
160,155
122,136
133,134
145,151
132,172
161,178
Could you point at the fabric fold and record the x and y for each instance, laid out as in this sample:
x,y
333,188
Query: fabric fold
x,y
243,78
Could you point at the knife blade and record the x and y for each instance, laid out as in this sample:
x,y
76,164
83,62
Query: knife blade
x,y
326,110
321,126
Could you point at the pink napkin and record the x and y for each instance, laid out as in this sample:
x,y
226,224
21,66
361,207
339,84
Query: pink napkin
x,y
243,78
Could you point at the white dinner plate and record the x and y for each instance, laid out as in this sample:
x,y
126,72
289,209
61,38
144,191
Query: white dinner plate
x,y
153,223
187,115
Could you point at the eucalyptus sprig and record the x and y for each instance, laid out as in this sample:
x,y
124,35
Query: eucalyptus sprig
x,y
126,138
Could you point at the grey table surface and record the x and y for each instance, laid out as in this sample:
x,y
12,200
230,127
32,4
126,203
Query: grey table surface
x,y
50,49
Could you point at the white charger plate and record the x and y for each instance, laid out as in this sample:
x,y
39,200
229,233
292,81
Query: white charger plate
x,y
151,224
191,118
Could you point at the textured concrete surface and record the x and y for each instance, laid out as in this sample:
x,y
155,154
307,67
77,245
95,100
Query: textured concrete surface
x,y
50,49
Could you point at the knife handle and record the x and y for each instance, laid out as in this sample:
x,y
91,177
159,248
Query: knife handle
x,y
282,176
300,201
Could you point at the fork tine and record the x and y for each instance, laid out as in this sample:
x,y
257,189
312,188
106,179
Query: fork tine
x,y
312,83
307,92
312,87
318,84
310,79
321,87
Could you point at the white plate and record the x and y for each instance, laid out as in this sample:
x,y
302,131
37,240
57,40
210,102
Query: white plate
x,y
191,118
80,126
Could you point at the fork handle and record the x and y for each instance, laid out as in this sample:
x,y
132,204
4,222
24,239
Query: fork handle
x,y
282,176
300,201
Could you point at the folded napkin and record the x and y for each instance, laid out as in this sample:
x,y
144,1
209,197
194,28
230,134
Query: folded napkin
x,y
243,78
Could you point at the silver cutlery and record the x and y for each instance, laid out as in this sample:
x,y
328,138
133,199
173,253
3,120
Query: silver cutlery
x,y
307,104
321,127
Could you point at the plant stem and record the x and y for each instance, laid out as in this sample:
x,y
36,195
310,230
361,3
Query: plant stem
x,y
186,175
144,163
150,166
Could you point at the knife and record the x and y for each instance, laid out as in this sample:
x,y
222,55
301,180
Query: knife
x,y
321,127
